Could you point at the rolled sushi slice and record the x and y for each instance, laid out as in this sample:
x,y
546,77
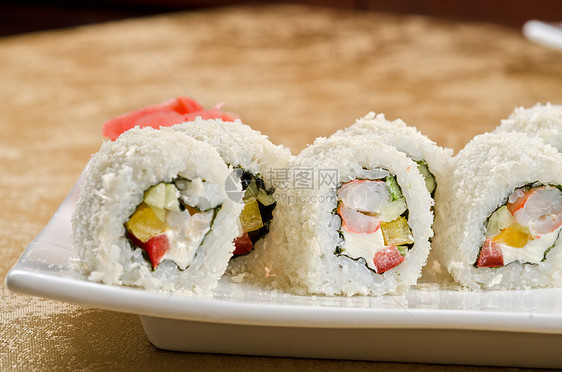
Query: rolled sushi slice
x,y
255,161
502,221
154,213
360,227
540,121
432,159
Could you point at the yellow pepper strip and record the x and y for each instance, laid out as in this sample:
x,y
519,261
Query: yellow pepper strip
x,y
145,224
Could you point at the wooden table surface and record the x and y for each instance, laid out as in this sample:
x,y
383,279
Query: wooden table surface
x,y
294,73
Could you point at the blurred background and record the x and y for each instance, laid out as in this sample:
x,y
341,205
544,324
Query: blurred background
x,y
28,16
451,68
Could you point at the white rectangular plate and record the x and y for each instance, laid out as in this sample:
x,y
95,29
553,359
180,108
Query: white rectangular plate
x,y
509,328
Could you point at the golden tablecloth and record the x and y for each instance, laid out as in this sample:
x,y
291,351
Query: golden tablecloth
x,y
295,73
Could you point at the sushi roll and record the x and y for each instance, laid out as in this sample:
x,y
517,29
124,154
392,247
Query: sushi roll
x,y
357,220
254,160
432,160
154,213
540,121
502,220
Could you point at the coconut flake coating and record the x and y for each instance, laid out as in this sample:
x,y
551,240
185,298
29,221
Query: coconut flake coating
x,y
304,262
540,121
240,145
404,138
114,184
485,173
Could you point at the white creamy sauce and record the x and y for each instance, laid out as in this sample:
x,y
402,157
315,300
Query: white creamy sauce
x,y
185,235
363,245
201,194
533,251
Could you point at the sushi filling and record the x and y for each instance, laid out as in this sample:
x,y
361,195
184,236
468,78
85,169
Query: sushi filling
x,y
374,223
257,214
524,229
428,177
172,220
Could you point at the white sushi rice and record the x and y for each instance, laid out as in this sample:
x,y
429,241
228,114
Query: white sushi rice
x,y
303,260
541,121
116,179
404,138
241,146
485,173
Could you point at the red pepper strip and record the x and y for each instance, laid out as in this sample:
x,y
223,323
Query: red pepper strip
x,y
387,258
242,245
155,247
490,255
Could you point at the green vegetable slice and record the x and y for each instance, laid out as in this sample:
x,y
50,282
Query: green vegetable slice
x,y
393,187
498,221
393,210
430,183
402,249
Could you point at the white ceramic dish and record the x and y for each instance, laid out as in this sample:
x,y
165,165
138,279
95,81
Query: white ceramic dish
x,y
509,328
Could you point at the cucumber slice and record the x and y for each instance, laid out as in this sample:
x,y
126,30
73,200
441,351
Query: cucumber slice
x,y
499,220
430,183
156,196
393,210
393,187
171,202
162,196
